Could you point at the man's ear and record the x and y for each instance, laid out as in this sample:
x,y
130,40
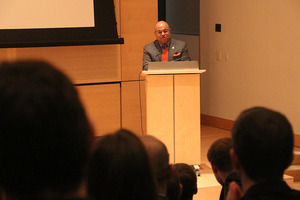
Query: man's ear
x,y
180,186
196,189
234,159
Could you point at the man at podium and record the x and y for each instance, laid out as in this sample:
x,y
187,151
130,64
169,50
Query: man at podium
x,y
164,48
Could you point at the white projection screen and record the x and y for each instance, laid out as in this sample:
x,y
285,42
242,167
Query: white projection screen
x,y
30,14
34,23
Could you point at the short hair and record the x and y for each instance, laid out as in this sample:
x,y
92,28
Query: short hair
x,y
120,168
173,187
43,130
188,180
218,154
263,143
159,157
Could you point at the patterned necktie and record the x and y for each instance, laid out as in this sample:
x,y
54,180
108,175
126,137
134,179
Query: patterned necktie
x,y
165,54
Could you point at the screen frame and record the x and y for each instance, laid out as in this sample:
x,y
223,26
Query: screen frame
x,y
104,32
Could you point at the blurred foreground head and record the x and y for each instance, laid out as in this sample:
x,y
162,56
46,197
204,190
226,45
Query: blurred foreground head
x,y
44,131
263,143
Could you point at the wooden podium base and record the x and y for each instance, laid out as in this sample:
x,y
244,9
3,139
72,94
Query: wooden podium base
x,y
172,112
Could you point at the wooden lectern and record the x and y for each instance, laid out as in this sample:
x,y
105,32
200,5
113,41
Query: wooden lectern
x,y
171,111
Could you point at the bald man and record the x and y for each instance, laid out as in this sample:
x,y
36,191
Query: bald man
x,y
177,49
159,160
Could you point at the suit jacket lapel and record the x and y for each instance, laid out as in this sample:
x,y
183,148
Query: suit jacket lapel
x,y
171,49
158,47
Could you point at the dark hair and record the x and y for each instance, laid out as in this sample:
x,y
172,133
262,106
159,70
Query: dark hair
x,y
263,143
43,130
188,180
219,154
120,169
173,187
159,158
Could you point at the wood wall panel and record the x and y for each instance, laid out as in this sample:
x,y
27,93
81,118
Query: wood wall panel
x,y
137,28
102,104
83,64
217,122
7,54
296,140
138,19
4,54
132,106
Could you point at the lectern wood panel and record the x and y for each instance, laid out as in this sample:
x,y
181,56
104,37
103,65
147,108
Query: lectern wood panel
x,y
173,112
187,118
159,109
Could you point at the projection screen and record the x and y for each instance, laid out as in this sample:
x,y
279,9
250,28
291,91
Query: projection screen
x,y
57,23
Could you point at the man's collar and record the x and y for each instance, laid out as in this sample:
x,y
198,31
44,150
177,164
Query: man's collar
x,y
168,44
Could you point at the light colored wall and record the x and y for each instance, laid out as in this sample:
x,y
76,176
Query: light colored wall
x,y
262,39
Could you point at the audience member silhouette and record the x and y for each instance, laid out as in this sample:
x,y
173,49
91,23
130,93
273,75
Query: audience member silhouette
x,y
120,169
44,133
174,188
188,180
159,159
219,157
262,150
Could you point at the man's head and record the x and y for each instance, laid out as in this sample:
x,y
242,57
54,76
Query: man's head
x,y
174,188
159,160
218,155
262,143
188,180
162,32
44,131
119,168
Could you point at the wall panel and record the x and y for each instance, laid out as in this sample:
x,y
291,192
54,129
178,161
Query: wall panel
x,y
102,104
84,64
138,19
137,28
132,106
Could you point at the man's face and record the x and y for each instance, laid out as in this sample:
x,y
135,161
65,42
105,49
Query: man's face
x,y
162,32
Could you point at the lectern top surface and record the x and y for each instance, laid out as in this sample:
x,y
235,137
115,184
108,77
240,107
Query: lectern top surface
x,y
179,65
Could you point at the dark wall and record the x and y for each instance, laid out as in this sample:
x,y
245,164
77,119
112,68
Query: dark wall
x,y
183,16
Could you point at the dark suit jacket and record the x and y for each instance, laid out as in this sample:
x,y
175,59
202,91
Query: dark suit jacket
x,y
271,190
233,176
178,51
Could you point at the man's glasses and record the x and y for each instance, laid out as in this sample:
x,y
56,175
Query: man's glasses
x,y
163,31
